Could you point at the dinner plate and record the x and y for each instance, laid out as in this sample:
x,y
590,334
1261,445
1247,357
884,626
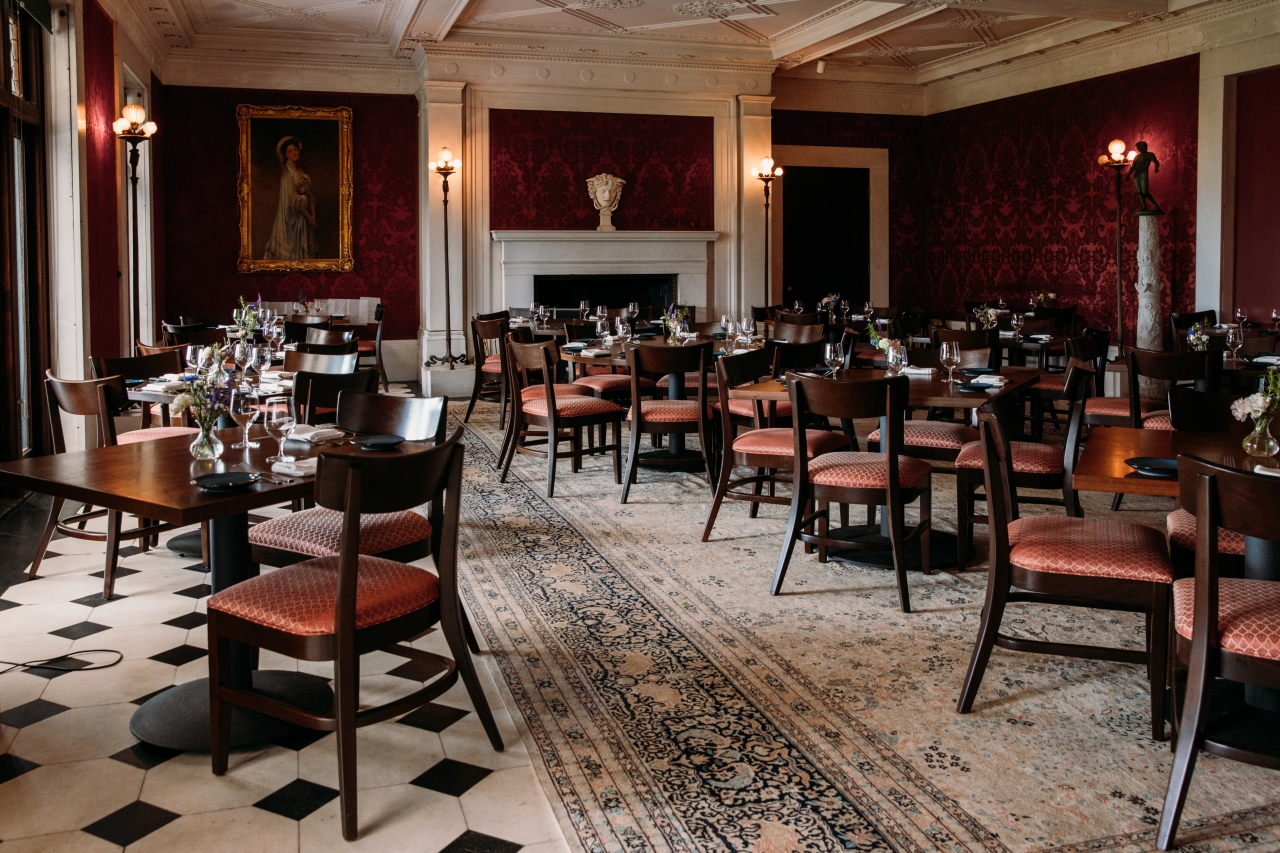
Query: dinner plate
x,y
978,371
974,386
646,336
574,347
379,442
230,481
1154,466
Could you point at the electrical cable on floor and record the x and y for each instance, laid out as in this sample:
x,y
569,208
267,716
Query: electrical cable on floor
x,y
46,662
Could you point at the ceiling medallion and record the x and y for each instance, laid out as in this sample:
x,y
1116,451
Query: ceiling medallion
x,y
704,9
607,5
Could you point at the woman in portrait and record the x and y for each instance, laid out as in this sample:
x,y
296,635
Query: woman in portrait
x,y
293,235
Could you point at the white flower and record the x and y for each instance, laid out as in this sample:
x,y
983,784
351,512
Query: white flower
x,y
1053,296
1253,406
184,400
883,344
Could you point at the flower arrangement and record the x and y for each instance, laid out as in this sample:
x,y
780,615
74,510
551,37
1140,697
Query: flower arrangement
x,y
987,315
674,319
248,316
830,303
1198,337
877,340
1043,297
1261,406
206,397
305,302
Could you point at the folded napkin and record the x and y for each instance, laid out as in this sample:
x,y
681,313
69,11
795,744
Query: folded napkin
x,y
596,352
173,377
1270,472
165,386
989,379
1005,334
1269,359
315,434
297,468
917,371
1041,337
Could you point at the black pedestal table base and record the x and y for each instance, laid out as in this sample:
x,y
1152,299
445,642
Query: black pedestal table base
x,y
672,460
186,545
942,548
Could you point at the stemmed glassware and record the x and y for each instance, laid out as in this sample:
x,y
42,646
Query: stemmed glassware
x,y
242,353
1275,317
602,328
1235,340
1242,316
279,419
748,327
833,355
1017,321
798,306
725,324
949,355
602,311
585,308
867,311
277,336
544,313
896,356
633,310
192,354
244,410
624,329
260,361
844,309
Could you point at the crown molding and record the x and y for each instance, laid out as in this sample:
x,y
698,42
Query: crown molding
x,y
843,96
828,25
140,30
313,73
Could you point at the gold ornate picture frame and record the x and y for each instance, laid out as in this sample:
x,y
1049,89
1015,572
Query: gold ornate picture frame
x,y
295,188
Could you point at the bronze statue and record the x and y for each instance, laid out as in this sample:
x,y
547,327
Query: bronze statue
x,y
1138,171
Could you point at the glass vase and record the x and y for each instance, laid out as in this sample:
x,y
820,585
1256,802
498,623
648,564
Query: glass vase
x,y
207,445
1259,442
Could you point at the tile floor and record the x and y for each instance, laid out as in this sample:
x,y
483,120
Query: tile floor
x,y
73,778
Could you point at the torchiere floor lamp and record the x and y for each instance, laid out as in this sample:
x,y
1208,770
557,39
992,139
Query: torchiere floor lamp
x,y
766,175
444,167
133,128
1116,160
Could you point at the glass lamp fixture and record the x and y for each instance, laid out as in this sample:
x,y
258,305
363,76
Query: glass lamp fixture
x,y
767,171
133,123
446,163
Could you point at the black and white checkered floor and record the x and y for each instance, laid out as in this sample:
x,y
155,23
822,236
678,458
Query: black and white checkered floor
x,y
73,778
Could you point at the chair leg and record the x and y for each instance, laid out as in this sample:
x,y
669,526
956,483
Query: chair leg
x,y
114,519
896,534
617,452
219,711
575,447
798,503
1071,500
516,430
47,536
466,669
757,489
965,510
1115,501
346,690
502,402
722,487
553,445
204,544
84,509
1158,663
988,627
469,632
926,519
1196,706
630,476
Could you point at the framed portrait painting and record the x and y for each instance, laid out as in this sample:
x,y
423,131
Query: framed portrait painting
x,y
295,188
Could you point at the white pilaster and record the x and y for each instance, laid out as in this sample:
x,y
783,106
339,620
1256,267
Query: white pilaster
x,y
1150,333
755,139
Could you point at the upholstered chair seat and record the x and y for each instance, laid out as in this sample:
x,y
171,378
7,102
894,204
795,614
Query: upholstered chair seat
x,y
781,442
1181,526
747,409
938,434
855,470
668,411
494,367
1086,546
366,346
1116,406
610,382
1157,420
1248,615
1029,457
317,532
575,406
533,392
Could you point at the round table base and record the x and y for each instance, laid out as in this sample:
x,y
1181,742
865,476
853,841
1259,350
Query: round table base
x,y
942,548
684,460
186,545
179,717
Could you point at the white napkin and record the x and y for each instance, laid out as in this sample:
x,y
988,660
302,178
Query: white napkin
x,y
595,352
1270,472
1268,359
170,387
1041,337
173,377
989,379
917,371
297,468
315,434
1005,334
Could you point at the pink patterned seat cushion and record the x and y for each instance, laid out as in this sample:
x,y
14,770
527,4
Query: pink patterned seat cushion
x,y
317,532
1248,615
938,434
154,433
746,408
1116,406
495,358
600,382
1086,546
606,370
781,442
533,392
690,380
668,411
1157,420
1029,457
366,346
491,366
300,599
1052,382
1181,526
865,470
576,406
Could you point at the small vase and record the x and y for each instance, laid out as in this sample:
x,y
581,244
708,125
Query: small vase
x,y
206,445
1259,442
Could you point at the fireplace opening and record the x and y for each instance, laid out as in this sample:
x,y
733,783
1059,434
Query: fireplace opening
x,y
564,292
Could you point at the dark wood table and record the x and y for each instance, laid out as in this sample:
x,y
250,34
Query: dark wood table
x,y
152,479
926,391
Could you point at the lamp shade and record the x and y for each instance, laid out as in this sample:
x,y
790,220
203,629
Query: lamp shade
x,y
1116,147
445,155
135,113
766,165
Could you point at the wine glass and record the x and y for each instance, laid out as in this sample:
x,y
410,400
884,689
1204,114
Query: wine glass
x,y
624,329
798,306
244,411
896,356
748,328
867,310
949,355
633,310
1235,340
192,354
242,353
260,361
277,336
833,355
279,419
844,309
1275,317
1242,316
725,323
584,307
602,328
535,310
544,313
1017,321
602,311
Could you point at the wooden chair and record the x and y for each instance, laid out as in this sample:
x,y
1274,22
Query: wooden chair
x,y
887,479
1064,318
141,367
765,449
100,399
309,319
340,607
295,330
1202,368
1081,562
792,356
580,330
206,322
798,333
668,416
351,347
491,382
1223,627
817,318
316,394
1035,465
298,362
145,349
405,535
1180,322
329,337
201,337
374,349
556,415
978,347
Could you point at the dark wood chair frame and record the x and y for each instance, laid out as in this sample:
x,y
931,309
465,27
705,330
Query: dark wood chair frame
x,y
1182,321
1008,583
141,367
379,316
295,331
1204,368
845,401
315,391
799,333
202,336
331,336
309,362
348,348
1228,498
485,387
351,486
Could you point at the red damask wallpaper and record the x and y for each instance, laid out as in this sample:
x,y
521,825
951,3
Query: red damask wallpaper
x,y
200,158
540,162
1001,198
103,214
1257,267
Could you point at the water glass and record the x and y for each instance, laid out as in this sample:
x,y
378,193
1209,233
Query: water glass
x,y
896,356
192,355
1235,340
1017,321
602,328
798,306
244,411
633,310
602,311
279,419
833,355
260,361
949,355
584,307
1242,316
624,329
242,352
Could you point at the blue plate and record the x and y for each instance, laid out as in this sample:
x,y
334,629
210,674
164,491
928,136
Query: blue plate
x,y
978,371
231,481
645,336
379,442
1154,466
973,386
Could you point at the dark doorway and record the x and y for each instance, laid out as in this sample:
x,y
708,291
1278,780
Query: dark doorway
x,y
826,234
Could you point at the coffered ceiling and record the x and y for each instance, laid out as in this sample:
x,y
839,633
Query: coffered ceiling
x,y
897,39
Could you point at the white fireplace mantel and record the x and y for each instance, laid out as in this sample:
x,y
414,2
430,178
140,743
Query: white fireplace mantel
x,y
687,254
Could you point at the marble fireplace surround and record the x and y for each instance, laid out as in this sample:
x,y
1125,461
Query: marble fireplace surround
x,y
689,255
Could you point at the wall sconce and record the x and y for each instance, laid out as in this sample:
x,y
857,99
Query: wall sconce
x,y
1116,160
445,166
766,175
133,128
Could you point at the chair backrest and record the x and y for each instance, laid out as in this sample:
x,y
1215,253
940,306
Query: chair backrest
x,y
1064,318
145,349
1204,411
497,315
807,319
1092,346
414,418
296,332
846,400
580,330
309,319
351,346
205,322
1259,345
759,313
648,360
790,356
746,367
910,323
379,314
101,398
798,333
202,337
1181,321
1002,498
296,362
317,335
924,357
484,332
177,328
978,347
137,367
531,362
315,391
1039,327
1201,367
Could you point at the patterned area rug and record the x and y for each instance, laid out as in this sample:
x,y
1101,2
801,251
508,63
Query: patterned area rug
x,y
676,706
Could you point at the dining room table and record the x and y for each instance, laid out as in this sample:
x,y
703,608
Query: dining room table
x,y
156,479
